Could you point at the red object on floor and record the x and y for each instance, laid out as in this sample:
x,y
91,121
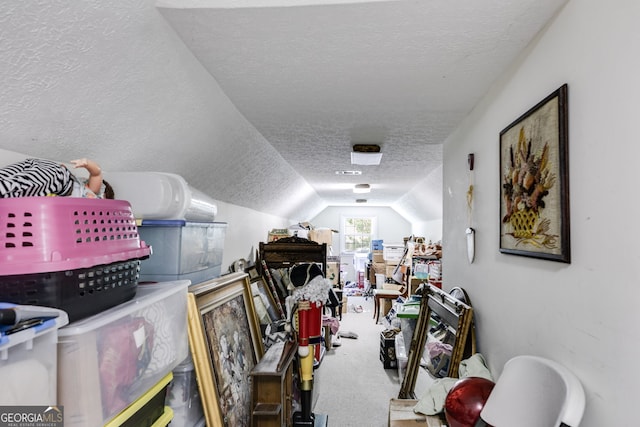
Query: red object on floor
x,y
465,401
361,279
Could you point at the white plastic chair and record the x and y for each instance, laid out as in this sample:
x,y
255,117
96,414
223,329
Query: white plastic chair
x,y
534,392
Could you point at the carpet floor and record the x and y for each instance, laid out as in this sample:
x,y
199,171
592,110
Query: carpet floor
x,y
352,386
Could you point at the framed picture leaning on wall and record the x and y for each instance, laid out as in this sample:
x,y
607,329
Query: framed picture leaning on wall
x,y
226,344
534,181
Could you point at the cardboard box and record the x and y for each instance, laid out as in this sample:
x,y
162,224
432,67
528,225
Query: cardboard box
x,y
414,284
389,270
401,415
377,256
392,252
379,267
321,236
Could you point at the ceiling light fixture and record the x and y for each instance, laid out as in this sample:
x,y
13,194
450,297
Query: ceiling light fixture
x,y
362,188
348,172
366,154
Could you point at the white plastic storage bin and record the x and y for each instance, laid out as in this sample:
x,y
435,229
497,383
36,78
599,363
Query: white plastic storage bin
x,y
28,362
182,250
401,356
107,361
392,253
183,396
159,195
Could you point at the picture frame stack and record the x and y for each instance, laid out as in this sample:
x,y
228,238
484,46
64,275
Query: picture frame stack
x,y
226,344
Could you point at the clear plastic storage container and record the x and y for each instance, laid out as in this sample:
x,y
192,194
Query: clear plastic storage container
x,y
183,396
161,195
108,361
182,250
28,362
401,356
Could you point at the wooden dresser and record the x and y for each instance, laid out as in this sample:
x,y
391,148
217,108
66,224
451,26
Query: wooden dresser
x,y
272,387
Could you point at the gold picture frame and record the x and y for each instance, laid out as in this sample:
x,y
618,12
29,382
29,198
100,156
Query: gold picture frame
x,y
226,344
534,181
443,319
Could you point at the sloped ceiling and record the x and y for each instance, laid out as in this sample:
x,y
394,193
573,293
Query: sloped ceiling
x,y
258,103
314,79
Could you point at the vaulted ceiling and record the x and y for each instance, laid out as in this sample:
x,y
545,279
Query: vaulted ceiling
x,y
317,77
258,103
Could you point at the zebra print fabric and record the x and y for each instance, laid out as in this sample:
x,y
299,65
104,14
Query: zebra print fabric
x,y
35,177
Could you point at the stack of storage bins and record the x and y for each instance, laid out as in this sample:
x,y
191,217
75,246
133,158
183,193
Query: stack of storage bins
x,y
115,359
83,257
178,221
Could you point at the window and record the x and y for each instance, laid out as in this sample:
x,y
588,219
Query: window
x,y
357,233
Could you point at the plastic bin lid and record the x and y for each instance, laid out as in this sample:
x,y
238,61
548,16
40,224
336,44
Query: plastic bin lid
x,y
408,311
9,338
179,223
163,222
146,295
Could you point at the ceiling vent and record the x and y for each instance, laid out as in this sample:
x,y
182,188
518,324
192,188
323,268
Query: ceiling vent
x,y
366,154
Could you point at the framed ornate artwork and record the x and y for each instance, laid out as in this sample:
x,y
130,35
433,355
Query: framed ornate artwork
x,y
534,182
226,344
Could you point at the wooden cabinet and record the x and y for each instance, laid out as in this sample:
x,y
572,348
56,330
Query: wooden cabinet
x,y
272,387
289,251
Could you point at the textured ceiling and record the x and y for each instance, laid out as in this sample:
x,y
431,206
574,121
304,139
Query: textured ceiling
x,y
257,103
315,79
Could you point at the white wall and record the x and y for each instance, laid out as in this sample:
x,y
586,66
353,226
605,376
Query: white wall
x,y
583,315
431,230
246,228
391,228
112,81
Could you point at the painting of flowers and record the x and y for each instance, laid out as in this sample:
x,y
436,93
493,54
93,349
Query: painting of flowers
x,y
534,183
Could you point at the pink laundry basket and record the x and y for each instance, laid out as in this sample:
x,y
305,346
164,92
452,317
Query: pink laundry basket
x,y
78,255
